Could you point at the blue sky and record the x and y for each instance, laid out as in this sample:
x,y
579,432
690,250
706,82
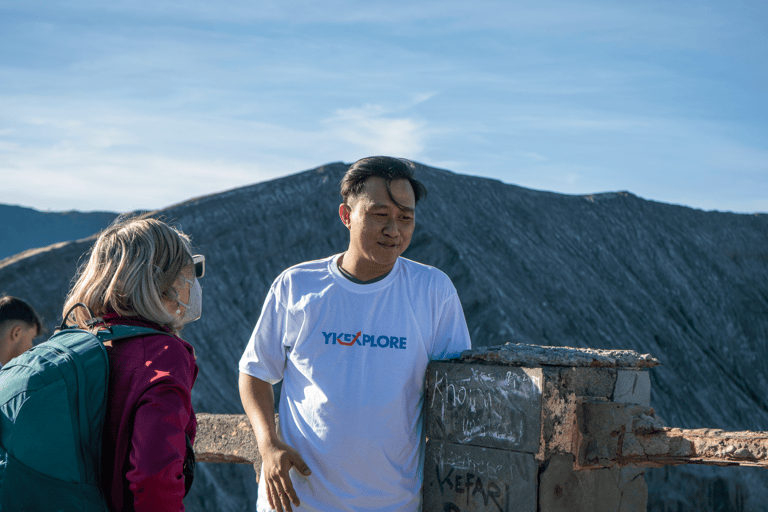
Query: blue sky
x,y
126,105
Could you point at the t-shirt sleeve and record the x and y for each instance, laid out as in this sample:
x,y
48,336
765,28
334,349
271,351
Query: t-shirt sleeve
x,y
265,355
451,336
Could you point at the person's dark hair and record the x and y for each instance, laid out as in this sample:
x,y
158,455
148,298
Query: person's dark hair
x,y
385,167
12,308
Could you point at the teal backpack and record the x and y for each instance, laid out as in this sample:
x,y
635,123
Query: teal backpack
x,y
52,407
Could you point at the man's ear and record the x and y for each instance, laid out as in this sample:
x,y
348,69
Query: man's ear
x,y
344,212
15,332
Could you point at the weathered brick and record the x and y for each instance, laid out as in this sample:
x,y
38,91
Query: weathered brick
x,y
603,490
633,386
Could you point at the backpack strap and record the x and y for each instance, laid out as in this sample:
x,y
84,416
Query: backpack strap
x,y
119,332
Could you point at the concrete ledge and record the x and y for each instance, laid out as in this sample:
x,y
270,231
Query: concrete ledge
x,y
706,446
226,438
519,354
615,434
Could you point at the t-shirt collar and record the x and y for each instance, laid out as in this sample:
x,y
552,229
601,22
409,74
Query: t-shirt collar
x,y
365,287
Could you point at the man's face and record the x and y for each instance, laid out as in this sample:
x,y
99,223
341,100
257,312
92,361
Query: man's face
x,y
18,339
380,231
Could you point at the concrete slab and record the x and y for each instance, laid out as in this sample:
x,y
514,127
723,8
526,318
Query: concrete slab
x,y
633,386
563,387
226,438
603,490
594,382
462,478
521,354
483,405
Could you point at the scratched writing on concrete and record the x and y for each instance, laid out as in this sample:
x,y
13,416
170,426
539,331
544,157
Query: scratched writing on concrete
x,y
471,488
484,404
463,461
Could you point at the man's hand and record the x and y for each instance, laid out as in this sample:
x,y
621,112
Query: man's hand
x,y
277,460
276,456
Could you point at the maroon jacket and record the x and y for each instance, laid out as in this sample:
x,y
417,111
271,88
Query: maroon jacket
x,y
149,411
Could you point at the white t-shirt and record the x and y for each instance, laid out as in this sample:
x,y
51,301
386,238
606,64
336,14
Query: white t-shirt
x,y
352,358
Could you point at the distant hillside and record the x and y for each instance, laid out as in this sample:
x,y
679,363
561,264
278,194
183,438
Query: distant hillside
x,y
26,228
605,271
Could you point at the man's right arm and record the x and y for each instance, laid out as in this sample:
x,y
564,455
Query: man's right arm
x,y
277,457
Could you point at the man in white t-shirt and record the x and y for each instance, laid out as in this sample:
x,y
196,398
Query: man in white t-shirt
x,y
350,336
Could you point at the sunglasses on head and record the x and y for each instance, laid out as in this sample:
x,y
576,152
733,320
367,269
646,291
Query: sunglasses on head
x,y
198,260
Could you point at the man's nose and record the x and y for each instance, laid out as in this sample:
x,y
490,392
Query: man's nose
x,y
390,228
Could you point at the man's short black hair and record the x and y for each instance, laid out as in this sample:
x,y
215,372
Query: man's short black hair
x,y
385,167
12,308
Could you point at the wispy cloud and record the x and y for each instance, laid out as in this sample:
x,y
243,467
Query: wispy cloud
x,y
367,133
84,149
573,97
382,130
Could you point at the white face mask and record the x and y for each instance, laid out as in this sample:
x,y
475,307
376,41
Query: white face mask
x,y
194,308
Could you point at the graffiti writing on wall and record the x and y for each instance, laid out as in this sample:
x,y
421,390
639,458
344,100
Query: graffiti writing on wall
x,y
483,404
474,490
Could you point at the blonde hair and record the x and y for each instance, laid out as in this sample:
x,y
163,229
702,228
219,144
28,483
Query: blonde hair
x,y
130,270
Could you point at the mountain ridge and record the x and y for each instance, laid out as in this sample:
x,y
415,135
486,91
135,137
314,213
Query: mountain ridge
x,y
23,228
608,270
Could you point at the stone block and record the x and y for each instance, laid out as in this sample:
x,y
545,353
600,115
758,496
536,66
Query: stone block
x,y
226,438
603,427
593,382
561,489
633,386
618,434
483,405
463,478
562,388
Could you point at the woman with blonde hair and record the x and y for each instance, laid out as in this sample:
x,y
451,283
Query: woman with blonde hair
x,y
141,272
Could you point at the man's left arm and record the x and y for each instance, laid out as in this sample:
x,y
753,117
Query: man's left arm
x,y
451,336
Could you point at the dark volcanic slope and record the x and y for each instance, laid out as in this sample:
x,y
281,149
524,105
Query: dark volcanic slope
x,y
604,271
23,228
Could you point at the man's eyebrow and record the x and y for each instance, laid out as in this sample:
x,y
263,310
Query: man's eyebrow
x,y
380,206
